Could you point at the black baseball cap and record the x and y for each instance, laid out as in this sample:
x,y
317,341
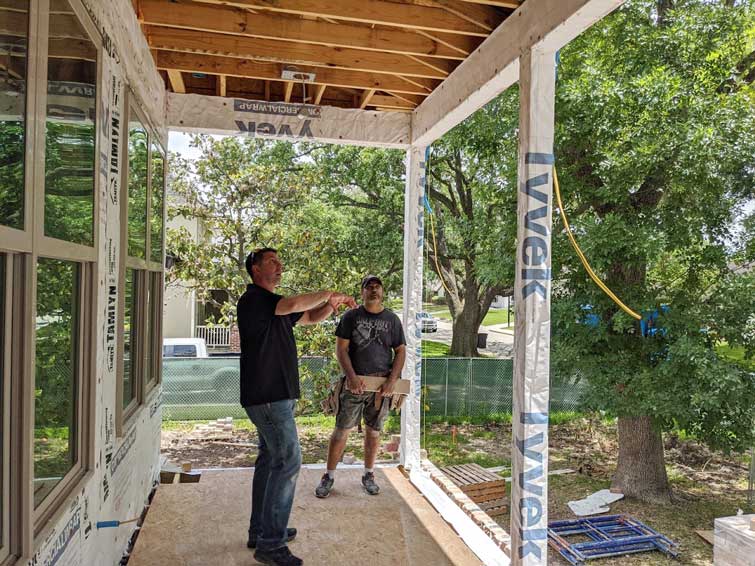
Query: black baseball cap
x,y
369,279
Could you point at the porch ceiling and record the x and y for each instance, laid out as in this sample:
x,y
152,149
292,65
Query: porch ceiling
x,y
374,54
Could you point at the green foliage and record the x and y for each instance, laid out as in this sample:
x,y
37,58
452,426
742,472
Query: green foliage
x,y
655,145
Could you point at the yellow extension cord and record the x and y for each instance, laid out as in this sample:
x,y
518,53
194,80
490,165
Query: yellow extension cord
x,y
582,257
574,244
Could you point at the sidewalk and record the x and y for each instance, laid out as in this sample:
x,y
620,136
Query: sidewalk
x,y
499,328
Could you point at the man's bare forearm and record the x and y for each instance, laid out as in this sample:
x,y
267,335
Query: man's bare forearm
x,y
319,314
345,362
301,303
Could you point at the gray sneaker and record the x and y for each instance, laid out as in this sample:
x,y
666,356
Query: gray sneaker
x,y
368,481
326,484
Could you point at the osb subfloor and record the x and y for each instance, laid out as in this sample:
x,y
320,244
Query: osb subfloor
x,y
206,523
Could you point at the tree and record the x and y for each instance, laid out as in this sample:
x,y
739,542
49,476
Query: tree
x,y
472,190
656,154
238,190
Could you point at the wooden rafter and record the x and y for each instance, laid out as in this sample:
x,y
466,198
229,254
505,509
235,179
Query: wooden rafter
x,y
364,100
176,81
383,101
289,88
294,53
511,4
267,90
221,87
234,21
319,91
230,66
373,12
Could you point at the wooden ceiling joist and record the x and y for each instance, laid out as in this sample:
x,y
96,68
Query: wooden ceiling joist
x,y
364,100
375,12
383,101
295,53
287,93
176,81
221,87
188,62
234,21
319,91
510,4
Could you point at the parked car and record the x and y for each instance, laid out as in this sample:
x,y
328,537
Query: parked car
x,y
191,376
429,322
184,348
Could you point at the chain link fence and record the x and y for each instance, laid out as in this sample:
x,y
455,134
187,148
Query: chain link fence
x,y
199,389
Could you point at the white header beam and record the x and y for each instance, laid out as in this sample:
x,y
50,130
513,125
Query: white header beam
x,y
494,65
292,122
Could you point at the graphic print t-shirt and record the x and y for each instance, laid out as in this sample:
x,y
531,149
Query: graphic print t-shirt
x,y
372,338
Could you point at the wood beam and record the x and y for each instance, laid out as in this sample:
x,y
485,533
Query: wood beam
x,y
295,53
373,12
234,21
319,91
494,66
364,100
511,4
176,80
289,88
267,91
383,101
221,86
189,63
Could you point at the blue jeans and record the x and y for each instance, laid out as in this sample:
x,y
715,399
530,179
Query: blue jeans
x,y
275,471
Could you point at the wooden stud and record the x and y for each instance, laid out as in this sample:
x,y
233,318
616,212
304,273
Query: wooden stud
x,y
319,91
176,81
365,98
267,91
373,12
288,91
191,63
206,18
220,85
294,53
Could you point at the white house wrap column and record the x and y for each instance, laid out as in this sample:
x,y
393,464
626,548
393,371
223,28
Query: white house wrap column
x,y
414,226
529,493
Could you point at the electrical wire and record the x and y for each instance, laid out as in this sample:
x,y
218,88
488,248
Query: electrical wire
x,y
582,257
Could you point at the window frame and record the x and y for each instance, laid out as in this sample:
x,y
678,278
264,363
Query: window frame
x,y
147,377
39,519
6,339
15,239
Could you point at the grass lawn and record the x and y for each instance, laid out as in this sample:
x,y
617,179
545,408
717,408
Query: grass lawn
x,y
432,349
735,354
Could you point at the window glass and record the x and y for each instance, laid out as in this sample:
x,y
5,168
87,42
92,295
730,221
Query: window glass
x,y
156,213
14,27
129,331
137,188
3,408
180,351
148,336
70,129
55,415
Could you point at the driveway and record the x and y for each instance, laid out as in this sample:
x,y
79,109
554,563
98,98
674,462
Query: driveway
x,y
500,343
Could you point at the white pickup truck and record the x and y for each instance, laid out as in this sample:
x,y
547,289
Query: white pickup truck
x,y
184,348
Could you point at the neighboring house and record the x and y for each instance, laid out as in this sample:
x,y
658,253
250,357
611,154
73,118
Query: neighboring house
x,y
185,316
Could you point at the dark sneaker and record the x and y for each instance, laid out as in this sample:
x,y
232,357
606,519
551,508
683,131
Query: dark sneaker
x,y
326,484
252,542
279,557
368,481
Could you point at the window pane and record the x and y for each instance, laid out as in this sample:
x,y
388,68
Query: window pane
x,y
3,408
70,130
137,188
14,26
148,336
55,450
156,216
129,329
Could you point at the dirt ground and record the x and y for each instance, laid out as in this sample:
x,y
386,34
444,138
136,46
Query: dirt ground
x,y
705,484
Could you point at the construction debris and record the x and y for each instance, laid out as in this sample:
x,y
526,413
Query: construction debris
x,y
595,504
220,429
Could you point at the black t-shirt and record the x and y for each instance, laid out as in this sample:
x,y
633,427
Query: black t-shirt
x,y
269,364
372,338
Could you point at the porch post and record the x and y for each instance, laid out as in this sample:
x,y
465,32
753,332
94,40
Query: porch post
x,y
529,493
414,224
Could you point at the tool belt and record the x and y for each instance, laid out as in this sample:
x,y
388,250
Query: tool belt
x,y
331,403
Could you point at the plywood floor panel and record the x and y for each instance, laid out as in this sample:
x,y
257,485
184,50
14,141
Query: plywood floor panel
x,y
205,523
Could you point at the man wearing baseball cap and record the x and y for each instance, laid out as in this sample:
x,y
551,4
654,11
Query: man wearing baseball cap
x,y
369,341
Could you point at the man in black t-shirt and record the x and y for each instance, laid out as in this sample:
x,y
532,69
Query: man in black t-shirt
x,y
370,341
269,389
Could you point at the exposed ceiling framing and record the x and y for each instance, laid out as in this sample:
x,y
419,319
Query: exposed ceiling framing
x,y
374,54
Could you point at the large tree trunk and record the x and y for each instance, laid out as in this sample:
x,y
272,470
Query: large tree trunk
x,y
464,340
641,470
